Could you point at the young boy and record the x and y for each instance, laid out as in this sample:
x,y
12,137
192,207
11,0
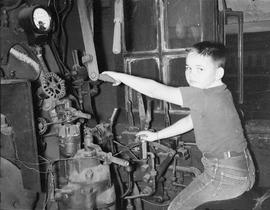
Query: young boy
x,y
228,166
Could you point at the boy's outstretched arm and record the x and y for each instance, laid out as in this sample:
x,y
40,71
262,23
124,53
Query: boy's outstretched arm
x,y
181,126
148,87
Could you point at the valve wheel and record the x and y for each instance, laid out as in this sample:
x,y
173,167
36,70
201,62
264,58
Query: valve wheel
x,y
42,126
52,85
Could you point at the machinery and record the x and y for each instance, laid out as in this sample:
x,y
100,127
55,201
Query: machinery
x,y
85,163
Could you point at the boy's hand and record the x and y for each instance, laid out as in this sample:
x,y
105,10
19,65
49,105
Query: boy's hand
x,y
114,76
147,135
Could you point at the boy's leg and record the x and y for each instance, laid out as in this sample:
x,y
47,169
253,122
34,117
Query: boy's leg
x,y
204,189
188,198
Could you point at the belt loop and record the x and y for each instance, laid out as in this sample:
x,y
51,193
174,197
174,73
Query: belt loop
x,y
216,164
227,154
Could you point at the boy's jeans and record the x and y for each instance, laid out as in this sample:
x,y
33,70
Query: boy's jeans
x,y
222,179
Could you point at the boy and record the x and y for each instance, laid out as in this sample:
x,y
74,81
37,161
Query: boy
x,y
228,167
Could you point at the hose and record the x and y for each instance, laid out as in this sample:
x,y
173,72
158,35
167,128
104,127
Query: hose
x,y
130,185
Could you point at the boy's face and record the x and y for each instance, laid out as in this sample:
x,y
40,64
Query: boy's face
x,y
201,71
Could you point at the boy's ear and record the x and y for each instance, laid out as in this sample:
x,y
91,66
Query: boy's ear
x,y
219,73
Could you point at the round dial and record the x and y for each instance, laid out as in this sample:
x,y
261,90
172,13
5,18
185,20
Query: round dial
x,y
42,19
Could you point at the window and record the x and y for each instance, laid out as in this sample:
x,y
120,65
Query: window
x,y
157,33
256,74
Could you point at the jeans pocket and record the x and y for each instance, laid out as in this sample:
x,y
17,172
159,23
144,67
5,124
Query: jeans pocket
x,y
228,190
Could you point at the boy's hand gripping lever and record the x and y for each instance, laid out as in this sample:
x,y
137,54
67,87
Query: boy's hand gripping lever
x,y
106,78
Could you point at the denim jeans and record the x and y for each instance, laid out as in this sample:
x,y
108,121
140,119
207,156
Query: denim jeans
x,y
222,179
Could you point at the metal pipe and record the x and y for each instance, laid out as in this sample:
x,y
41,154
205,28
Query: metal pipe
x,y
147,191
130,185
153,171
112,119
138,196
240,59
240,18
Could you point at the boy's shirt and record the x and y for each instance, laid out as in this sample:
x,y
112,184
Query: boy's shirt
x,y
217,126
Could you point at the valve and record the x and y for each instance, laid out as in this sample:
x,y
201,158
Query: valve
x,y
52,85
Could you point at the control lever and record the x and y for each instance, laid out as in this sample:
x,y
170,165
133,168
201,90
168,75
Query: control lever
x,y
109,158
130,114
90,58
76,66
144,150
118,21
112,119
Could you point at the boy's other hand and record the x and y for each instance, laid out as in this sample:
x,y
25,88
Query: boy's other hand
x,y
147,135
114,76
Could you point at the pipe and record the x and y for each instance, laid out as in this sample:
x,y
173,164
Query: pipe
x,y
130,185
139,195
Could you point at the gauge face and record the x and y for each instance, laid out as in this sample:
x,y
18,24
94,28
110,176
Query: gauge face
x,y
42,19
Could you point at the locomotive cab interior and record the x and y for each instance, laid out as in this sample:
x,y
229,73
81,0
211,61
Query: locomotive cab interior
x,y
68,137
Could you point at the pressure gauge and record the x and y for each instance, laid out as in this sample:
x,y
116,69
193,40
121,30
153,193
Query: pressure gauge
x,y
37,23
42,19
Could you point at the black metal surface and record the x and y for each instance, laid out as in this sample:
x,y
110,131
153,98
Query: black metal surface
x,y
16,105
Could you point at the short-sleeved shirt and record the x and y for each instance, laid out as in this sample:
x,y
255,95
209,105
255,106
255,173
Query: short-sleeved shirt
x,y
216,123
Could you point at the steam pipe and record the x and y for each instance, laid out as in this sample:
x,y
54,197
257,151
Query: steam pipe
x,y
147,191
130,185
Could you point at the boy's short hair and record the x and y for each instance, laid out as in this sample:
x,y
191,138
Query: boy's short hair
x,y
217,51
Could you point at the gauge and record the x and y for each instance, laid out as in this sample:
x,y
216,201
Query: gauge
x,y
42,19
36,21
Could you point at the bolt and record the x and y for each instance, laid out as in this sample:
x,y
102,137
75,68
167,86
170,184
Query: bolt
x,y
89,174
65,196
146,177
74,73
144,167
12,74
93,75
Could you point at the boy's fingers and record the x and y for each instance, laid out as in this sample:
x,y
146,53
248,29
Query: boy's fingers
x,y
141,136
109,76
106,78
116,83
141,133
105,72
